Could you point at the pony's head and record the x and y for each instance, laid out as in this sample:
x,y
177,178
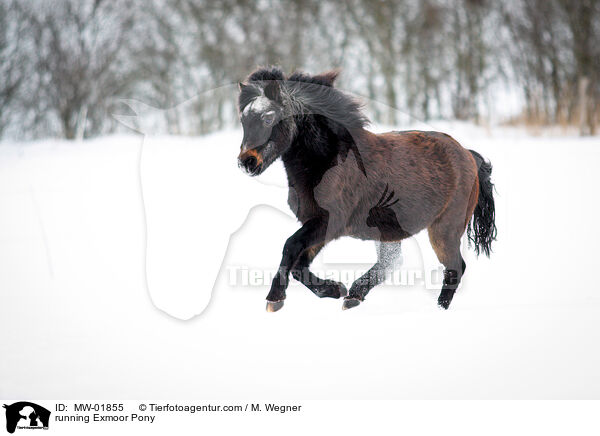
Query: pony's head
x,y
271,106
268,125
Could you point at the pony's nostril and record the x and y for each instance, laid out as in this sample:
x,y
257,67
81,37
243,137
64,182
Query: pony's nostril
x,y
250,163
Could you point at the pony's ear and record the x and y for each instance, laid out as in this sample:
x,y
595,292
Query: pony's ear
x,y
241,86
328,77
272,90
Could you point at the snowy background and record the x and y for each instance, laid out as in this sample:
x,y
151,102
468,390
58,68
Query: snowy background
x,y
78,320
135,255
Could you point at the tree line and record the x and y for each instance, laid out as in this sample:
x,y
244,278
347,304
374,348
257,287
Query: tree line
x,y
64,63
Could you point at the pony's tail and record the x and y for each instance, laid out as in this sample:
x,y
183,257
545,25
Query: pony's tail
x,y
482,228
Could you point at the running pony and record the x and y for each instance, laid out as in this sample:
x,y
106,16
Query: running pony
x,y
346,181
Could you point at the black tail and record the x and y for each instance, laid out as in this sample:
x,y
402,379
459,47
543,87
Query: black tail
x,y
482,228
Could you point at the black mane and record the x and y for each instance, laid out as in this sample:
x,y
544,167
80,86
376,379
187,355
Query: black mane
x,y
267,73
306,95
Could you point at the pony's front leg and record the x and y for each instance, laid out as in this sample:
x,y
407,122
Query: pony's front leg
x,y
311,233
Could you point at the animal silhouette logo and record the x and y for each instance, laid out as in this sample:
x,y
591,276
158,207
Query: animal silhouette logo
x,y
26,415
190,215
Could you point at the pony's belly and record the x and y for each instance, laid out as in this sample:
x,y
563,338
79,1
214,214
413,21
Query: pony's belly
x,y
387,232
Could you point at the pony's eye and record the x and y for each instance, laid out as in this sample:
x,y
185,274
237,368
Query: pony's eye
x,y
269,120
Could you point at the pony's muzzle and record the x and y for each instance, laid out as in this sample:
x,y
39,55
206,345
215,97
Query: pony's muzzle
x,y
251,161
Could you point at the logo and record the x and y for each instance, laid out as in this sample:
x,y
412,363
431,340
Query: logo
x,y
26,415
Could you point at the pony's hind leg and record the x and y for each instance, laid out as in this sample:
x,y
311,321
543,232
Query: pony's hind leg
x,y
320,287
388,254
446,244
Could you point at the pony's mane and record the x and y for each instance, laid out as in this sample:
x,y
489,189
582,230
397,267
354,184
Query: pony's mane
x,y
266,73
304,94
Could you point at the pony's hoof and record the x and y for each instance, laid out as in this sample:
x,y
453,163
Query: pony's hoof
x,y
274,306
444,303
445,299
349,303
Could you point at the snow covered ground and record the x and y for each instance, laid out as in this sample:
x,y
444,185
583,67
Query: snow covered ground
x,y
78,320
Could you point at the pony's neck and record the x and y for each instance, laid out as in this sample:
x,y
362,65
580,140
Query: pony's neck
x,y
327,121
315,149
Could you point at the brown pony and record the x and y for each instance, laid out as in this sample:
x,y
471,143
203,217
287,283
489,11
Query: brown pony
x,y
346,181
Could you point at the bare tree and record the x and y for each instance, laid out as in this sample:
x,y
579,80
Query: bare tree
x,y
81,56
63,61
471,53
12,61
582,19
